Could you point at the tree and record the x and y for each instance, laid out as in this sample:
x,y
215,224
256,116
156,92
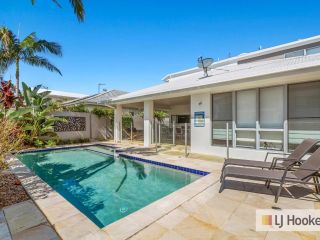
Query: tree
x,y
14,51
77,6
160,115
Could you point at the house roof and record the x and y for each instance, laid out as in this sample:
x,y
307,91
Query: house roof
x,y
224,74
63,94
246,56
96,99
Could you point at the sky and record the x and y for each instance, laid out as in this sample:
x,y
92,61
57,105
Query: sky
x,y
129,45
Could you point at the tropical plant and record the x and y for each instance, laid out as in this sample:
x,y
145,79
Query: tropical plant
x,y
14,51
77,6
7,101
7,97
39,122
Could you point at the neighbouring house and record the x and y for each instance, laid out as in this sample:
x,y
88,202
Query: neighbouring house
x,y
62,96
269,98
92,101
86,125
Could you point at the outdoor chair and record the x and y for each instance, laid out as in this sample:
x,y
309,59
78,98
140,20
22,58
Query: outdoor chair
x,y
277,163
302,174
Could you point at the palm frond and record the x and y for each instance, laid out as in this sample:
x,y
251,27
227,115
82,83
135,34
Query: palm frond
x,y
28,41
5,61
7,37
77,6
41,62
78,9
45,46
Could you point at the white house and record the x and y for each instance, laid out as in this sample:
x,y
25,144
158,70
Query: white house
x,y
270,98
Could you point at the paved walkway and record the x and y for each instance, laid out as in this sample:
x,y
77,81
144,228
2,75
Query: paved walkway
x,y
24,221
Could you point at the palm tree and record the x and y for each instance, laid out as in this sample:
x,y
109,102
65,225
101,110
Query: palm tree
x,y
77,6
14,51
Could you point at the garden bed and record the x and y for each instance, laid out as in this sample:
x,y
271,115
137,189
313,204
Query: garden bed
x,y
11,190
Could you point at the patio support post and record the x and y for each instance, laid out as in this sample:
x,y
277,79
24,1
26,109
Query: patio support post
x,y
117,124
147,123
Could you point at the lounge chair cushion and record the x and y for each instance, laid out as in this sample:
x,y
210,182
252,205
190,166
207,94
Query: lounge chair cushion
x,y
257,174
247,163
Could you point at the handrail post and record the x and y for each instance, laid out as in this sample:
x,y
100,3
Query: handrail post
x,y
227,138
159,132
186,139
174,132
131,133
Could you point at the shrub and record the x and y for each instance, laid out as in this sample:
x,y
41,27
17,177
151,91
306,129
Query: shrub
x,y
103,112
11,138
77,108
127,119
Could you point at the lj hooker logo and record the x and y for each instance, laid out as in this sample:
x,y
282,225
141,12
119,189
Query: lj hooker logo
x,y
288,220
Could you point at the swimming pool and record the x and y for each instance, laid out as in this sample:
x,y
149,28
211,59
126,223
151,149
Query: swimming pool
x,y
103,187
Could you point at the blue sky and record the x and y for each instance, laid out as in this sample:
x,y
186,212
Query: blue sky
x,y
130,45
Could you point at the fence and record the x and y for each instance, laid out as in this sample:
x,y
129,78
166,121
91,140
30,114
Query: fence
x,y
83,126
171,133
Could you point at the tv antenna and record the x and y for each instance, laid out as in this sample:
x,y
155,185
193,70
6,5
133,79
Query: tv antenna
x,y
99,86
204,63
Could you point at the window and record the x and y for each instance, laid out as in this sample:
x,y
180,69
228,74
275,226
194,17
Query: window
x,y
246,109
304,112
271,107
221,115
314,50
304,100
294,54
222,107
180,118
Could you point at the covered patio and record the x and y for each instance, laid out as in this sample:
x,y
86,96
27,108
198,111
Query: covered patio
x,y
174,129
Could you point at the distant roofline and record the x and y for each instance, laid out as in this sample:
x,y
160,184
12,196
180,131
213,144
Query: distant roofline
x,y
244,56
88,98
63,93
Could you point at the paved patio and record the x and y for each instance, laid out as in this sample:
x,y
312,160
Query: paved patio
x,y
195,212
227,215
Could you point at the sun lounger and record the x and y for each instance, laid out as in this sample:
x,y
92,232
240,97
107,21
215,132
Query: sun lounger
x,y
302,174
277,163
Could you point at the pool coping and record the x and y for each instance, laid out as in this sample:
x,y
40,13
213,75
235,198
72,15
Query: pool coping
x,y
70,223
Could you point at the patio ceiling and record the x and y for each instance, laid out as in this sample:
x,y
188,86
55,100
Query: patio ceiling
x,y
162,104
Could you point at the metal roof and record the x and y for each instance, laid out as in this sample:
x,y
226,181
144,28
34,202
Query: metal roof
x,y
245,56
63,94
224,74
100,98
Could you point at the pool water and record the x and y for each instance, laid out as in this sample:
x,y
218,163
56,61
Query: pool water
x,y
101,186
